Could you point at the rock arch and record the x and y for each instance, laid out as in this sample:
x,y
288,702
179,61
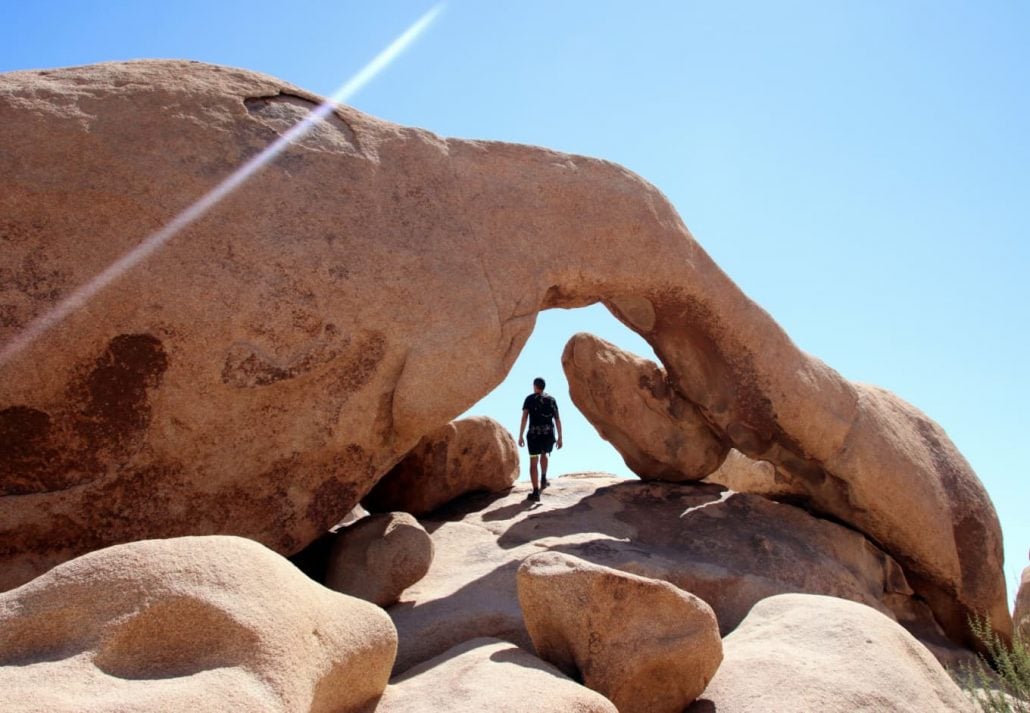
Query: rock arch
x,y
363,290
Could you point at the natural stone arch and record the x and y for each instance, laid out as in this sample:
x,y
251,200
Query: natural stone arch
x,y
309,324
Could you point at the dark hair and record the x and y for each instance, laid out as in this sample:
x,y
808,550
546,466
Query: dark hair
x,y
539,382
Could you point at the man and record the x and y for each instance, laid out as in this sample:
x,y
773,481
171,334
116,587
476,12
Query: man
x,y
540,410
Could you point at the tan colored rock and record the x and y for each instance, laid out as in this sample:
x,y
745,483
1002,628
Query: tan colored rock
x,y
378,557
465,456
193,623
258,373
799,652
489,675
1021,614
731,551
648,646
632,404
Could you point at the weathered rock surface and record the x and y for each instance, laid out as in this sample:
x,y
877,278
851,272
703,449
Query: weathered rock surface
x,y
378,557
259,372
798,652
731,551
631,403
488,675
1021,614
197,624
465,456
648,646
759,477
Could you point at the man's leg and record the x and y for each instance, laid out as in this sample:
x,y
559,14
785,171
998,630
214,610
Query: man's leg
x,y
535,495
543,470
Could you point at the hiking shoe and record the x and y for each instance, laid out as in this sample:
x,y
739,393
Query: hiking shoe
x,y
544,483
534,496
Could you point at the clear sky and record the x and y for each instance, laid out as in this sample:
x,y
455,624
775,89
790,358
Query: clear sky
x,y
860,169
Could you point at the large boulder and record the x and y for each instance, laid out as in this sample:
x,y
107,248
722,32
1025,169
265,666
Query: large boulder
x,y
193,623
488,675
648,646
798,652
465,456
731,550
259,371
632,404
378,557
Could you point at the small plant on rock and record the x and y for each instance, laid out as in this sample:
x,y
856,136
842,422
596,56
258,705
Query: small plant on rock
x,y
1005,686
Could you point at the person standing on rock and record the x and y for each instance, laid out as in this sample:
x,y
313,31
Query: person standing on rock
x,y
541,410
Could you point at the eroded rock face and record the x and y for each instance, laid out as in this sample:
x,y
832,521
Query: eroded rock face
x,y
378,557
258,373
195,623
1021,614
465,456
799,652
744,475
631,403
648,646
489,675
731,551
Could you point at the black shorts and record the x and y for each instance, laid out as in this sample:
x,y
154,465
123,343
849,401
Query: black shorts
x,y
540,443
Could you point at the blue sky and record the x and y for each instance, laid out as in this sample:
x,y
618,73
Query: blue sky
x,y
860,169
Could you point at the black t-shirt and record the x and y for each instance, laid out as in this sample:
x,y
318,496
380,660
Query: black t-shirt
x,y
542,409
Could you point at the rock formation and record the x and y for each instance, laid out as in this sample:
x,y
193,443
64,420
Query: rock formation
x,y
799,652
259,372
379,557
1021,614
193,623
465,456
879,497
648,646
488,675
631,403
729,551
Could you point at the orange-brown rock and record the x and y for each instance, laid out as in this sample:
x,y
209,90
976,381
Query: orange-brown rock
x,y
800,652
188,624
465,456
647,645
631,403
488,675
759,477
730,550
378,557
260,371
1021,614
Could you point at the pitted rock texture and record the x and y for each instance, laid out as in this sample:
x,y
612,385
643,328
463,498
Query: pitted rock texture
x,y
465,456
378,557
193,623
631,403
277,357
648,646
488,675
730,550
799,652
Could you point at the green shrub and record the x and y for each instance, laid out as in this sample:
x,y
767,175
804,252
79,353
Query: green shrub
x,y
1005,686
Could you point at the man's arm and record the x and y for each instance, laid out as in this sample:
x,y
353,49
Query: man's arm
x,y
557,423
522,427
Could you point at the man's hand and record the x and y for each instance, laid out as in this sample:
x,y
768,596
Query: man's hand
x,y
522,442
559,443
